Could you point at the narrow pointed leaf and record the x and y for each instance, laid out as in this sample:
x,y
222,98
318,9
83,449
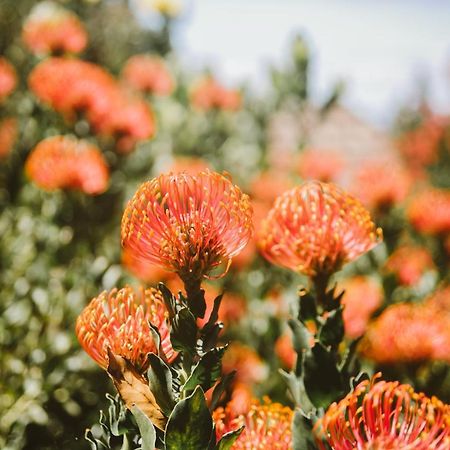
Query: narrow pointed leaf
x,y
160,383
146,429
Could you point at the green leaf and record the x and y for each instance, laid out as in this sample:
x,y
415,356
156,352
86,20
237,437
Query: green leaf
x,y
301,335
190,424
169,300
160,382
184,332
214,316
146,429
297,389
322,378
302,434
206,372
332,331
307,307
220,388
228,439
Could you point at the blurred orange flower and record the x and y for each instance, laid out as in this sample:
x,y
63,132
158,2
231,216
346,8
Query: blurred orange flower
x,y
284,348
119,321
386,415
381,184
267,426
209,94
363,296
52,29
320,164
148,73
409,264
8,78
188,224
8,135
268,185
315,228
429,211
63,162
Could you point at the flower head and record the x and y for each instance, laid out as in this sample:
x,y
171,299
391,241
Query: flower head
x,y
119,321
316,228
8,78
52,29
149,74
267,426
429,211
62,162
319,164
188,224
209,94
8,135
382,415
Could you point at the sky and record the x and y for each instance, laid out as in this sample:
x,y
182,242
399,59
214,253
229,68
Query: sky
x,y
382,49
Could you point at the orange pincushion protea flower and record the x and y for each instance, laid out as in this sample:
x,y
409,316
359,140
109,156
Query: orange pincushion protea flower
x,y
382,184
315,228
429,211
62,162
119,321
53,29
8,135
409,264
386,416
188,224
320,164
267,426
8,78
149,74
209,94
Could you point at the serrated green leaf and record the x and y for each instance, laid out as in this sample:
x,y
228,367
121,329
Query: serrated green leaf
x,y
220,388
206,372
146,429
307,307
297,389
160,382
184,332
190,424
228,439
332,331
302,434
169,300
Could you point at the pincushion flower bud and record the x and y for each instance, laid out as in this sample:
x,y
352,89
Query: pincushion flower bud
x,y
267,426
388,416
208,94
63,162
8,78
119,321
315,228
188,224
51,28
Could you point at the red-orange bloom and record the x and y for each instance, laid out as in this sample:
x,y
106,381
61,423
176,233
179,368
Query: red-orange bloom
x,y
362,297
381,184
209,94
267,426
409,264
388,416
8,135
149,74
320,164
316,228
63,162
429,211
189,224
8,78
53,29
119,321
284,348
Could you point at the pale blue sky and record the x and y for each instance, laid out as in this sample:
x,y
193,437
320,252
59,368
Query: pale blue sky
x,y
381,48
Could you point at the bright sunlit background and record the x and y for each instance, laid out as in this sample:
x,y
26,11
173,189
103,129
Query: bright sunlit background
x,y
383,50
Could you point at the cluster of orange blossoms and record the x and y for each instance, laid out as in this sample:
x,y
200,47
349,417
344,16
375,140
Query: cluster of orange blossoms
x,y
425,335
63,162
8,78
52,29
381,184
409,264
315,228
118,321
8,135
267,426
320,164
188,224
209,94
73,86
148,73
388,416
429,211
